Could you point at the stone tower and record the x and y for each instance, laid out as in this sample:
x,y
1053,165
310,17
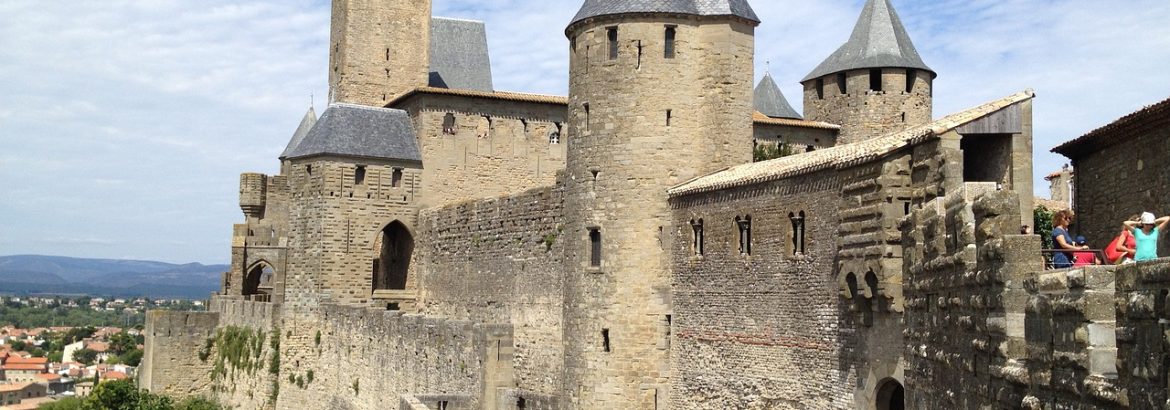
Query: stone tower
x,y
874,84
659,93
353,182
379,49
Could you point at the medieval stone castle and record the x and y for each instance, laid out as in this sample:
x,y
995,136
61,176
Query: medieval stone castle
x,y
433,243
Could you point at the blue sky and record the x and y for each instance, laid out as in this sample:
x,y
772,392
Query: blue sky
x,y
124,125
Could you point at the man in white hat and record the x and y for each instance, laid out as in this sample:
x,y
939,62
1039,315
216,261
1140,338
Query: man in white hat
x,y
1147,235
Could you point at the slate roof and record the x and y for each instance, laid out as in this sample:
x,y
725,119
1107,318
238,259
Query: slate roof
x,y
1130,126
495,95
360,131
841,156
459,55
770,101
760,118
596,8
879,40
307,124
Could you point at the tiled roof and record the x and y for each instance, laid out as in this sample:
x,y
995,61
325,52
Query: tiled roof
x,y
48,376
307,124
8,388
114,375
1149,118
360,131
770,101
495,95
25,366
760,118
459,55
597,8
33,360
840,156
879,40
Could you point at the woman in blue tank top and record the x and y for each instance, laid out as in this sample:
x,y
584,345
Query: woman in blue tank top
x,y
1147,235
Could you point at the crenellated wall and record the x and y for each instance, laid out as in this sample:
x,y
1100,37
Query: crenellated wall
x,y
170,363
500,261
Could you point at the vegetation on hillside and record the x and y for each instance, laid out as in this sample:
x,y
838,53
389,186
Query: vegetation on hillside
x,y
122,395
15,314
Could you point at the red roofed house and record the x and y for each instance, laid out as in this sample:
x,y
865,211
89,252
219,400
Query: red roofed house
x,y
23,372
13,394
114,376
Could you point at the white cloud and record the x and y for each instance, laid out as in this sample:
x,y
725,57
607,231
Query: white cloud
x,y
130,120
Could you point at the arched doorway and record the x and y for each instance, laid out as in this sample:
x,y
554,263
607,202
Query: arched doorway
x,y
393,261
259,281
891,395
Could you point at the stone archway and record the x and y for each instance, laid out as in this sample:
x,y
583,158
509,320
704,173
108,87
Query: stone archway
x,y
393,261
259,280
890,395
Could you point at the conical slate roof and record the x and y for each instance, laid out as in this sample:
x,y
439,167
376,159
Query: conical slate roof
x,y
307,124
879,40
359,131
771,102
595,8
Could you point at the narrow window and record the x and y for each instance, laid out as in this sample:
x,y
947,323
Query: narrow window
x,y
449,124
396,178
387,54
309,169
586,116
697,242
605,340
841,86
524,124
612,34
820,88
639,54
668,117
797,232
875,80
573,44
666,331
588,51
442,405
668,50
595,247
911,75
359,175
745,234
903,117
521,404
906,207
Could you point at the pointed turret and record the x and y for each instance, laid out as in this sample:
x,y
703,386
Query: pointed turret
x,y
874,84
879,41
307,124
770,101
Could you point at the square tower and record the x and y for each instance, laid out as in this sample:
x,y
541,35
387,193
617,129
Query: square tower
x,y
379,50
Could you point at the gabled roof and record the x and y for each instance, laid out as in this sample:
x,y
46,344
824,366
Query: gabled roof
x,y
597,8
307,124
770,101
360,131
841,156
494,95
1150,118
879,40
459,55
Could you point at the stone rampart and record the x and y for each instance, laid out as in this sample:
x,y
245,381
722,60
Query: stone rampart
x,y
500,261
1142,316
170,364
352,358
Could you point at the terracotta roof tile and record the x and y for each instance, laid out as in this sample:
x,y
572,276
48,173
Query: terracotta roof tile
x,y
760,118
841,156
25,366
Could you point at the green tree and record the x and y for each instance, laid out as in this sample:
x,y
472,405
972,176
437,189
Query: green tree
x,y
132,358
56,357
115,395
17,345
85,356
197,403
1042,225
765,152
68,403
123,342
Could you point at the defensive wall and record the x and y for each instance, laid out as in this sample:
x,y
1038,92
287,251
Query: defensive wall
x,y
500,261
986,327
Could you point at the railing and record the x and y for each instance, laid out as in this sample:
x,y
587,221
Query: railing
x,y
1049,254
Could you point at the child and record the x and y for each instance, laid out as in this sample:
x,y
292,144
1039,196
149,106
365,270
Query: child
x,y
1084,258
1147,236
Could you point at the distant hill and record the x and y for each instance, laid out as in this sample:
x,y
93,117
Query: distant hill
x,y
35,274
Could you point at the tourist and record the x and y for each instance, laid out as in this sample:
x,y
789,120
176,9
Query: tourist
x,y
1084,258
1122,250
1146,236
1062,240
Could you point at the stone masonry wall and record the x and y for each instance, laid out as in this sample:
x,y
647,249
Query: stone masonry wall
x,y
378,50
1142,342
368,359
495,147
1121,180
799,138
170,364
500,261
863,113
761,330
243,377
336,224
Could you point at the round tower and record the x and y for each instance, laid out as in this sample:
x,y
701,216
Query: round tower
x,y
659,93
875,84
